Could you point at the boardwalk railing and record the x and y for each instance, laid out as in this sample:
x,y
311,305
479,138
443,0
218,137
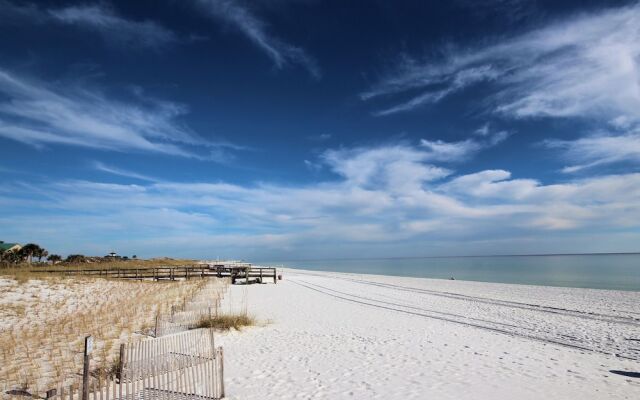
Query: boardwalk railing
x,y
173,273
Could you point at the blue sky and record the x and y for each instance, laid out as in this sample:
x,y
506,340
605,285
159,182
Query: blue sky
x,y
301,129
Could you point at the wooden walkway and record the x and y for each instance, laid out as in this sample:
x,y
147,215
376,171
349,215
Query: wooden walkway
x,y
243,273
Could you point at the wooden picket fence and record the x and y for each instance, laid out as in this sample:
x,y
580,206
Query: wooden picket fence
x,y
179,363
187,363
188,314
182,366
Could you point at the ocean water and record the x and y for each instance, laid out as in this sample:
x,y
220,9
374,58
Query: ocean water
x,y
597,271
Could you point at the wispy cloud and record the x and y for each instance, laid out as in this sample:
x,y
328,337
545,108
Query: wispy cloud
x,y
36,113
323,137
514,11
440,150
115,28
312,166
598,150
13,13
391,196
100,18
240,16
123,172
580,66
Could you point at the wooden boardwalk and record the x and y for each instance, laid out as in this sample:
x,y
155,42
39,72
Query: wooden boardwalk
x,y
245,273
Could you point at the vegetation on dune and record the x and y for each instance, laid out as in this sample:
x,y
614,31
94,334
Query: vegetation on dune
x,y
54,258
41,335
19,264
25,256
225,322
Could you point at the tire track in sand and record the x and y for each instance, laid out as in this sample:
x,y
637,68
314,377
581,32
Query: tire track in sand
x,y
545,336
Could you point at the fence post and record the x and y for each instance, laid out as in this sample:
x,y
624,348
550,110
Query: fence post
x,y
155,331
221,372
88,348
212,342
121,364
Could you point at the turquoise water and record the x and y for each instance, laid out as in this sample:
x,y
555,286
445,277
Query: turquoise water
x,y
598,271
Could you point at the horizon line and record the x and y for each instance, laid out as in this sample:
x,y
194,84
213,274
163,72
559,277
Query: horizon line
x,y
465,256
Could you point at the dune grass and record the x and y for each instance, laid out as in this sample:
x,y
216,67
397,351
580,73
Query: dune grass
x,y
226,322
43,323
24,272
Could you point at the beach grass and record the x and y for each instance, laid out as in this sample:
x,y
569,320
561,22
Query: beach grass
x,y
43,321
24,272
226,322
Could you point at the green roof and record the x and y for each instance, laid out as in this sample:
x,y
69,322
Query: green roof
x,y
6,246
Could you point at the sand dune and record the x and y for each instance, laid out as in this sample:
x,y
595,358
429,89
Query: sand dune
x,y
366,337
43,323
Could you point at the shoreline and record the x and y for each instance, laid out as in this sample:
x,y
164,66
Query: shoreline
x,y
542,284
383,276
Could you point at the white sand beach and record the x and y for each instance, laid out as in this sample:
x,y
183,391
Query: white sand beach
x,y
331,335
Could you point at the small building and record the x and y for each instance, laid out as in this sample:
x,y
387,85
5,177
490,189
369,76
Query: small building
x,y
9,246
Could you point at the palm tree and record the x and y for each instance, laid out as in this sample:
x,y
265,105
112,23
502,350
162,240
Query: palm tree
x,y
29,250
54,258
40,252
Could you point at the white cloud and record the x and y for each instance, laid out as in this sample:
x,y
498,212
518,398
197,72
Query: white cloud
x,y
495,184
394,167
465,149
597,150
413,76
584,66
451,151
391,199
114,28
255,29
312,166
123,172
37,114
